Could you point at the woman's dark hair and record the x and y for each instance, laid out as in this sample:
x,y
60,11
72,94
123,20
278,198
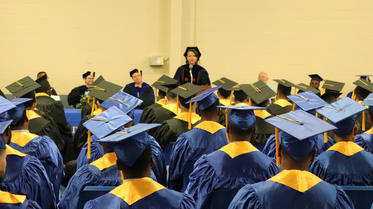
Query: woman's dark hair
x,y
361,93
224,93
284,90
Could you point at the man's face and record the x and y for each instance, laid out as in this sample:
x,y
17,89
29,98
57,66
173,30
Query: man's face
x,y
137,78
263,77
315,83
89,80
2,165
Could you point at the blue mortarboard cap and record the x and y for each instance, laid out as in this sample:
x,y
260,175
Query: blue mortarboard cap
x,y
129,144
299,131
307,100
125,102
242,117
206,98
17,112
341,109
5,105
107,122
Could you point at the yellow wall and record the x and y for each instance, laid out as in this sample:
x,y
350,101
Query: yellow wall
x,y
238,39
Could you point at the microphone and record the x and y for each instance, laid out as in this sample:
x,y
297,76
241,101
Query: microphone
x,y
191,72
190,67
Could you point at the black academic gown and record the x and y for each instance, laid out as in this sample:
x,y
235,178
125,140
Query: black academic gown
x,y
40,124
73,98
54,110
171,129
200,75
158,114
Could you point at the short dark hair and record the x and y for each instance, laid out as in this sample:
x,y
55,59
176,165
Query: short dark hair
x,y
361,93
141,165
30,95
213,108
135,71
224,93
20,122
284,90
240,96
183,101
238,131
161,93
40,73
262,104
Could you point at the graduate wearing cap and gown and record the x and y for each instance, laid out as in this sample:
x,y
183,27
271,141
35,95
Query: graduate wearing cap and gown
x,y
294,187
7,199
315,82
161,88
204,138
362,77
73,98
332,91
98,93
171,129
302,87
102,171
192,72
138,190
259,94
345,163
41,147
54,109
281,105
309,102
24,173
224,94
158,113
39,123
140,89
234,165
126,103
365,140
362,90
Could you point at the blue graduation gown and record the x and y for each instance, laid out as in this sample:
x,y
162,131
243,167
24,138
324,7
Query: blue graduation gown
x,y
291,189
26,175
345,163
43,148
270,146
12,201
365,140
231,167
97,151
204,138
102,172
141,193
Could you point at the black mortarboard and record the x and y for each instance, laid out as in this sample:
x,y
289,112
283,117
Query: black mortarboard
x,y
316,77
194,49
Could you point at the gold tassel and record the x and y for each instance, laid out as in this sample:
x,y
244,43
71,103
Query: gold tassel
x,y
277,147
177,103
316,114
325,134
226,123
363,122
250,102
293,107
122,175
190,117
89,133
231,98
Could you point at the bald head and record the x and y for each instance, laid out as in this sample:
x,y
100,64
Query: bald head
x,y
263,76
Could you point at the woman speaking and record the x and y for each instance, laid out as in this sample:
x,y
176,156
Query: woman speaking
x,y
191,71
